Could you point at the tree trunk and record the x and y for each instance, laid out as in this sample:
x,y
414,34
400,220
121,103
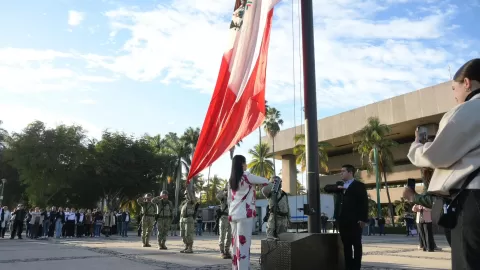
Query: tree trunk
x,y
273,156
259,143
390,205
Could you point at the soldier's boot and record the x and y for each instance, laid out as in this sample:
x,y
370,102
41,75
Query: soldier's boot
x,y
189,248
222,251
227,254
162,245
146,243
183,251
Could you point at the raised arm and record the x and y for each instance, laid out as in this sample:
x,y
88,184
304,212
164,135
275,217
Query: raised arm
x,y
453,141
256,180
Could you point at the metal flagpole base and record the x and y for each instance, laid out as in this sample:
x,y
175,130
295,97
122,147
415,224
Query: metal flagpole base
x,y
304,251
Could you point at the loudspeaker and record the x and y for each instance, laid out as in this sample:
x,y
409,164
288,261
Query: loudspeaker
x,y
305,251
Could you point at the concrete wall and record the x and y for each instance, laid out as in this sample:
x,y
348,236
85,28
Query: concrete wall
x,y
412,106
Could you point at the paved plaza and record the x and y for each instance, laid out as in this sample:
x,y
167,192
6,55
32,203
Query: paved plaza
x,y
380,252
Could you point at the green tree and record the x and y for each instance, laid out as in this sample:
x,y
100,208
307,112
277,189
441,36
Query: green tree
x,y
402,206
272,125
125,167
301,155
260,164
374,135
47,160
300,189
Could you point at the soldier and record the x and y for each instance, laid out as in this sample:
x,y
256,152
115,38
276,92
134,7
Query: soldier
x,y
164,217
187,222
148,217
283,211
225,238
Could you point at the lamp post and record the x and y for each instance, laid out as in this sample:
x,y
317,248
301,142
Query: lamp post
x,y
3,187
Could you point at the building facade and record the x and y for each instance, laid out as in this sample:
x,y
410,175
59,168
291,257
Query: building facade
x,y
402,113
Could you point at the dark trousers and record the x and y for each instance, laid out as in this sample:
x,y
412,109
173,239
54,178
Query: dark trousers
x,y
425,232
465,236
88,230
17,229
324,227
351,235
3,230
80,230
70,228
51,229
36,231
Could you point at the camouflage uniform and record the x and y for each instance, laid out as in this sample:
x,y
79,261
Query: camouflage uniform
x,y
164,221
187,224
225,230
148,217
283,211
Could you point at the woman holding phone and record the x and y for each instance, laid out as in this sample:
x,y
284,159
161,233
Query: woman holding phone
x,y
242,210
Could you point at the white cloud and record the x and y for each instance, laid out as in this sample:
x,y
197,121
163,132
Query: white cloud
x,y
88,101
30,70
356,55
75,17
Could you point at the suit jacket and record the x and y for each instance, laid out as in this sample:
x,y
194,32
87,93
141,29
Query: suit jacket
x,y
352,202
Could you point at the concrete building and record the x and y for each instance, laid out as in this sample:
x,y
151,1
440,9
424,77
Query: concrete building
x,y
402,113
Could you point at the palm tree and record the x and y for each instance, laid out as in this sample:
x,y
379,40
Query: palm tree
x,y
301,155
260,164
372,136
300,189
272,127
181,149
401,207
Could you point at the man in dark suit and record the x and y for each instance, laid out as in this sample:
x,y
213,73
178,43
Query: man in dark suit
x,y
352,215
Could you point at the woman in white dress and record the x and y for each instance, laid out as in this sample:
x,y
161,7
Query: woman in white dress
x,y
242,210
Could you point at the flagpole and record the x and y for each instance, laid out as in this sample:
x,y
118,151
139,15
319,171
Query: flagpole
x,y
311,129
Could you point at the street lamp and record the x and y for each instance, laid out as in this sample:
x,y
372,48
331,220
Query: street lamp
x,y
3,187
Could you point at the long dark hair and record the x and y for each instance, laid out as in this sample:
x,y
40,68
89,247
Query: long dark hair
x,y
237,171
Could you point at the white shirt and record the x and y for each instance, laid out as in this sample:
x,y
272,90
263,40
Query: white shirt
x,y
347,183
242,201
127,218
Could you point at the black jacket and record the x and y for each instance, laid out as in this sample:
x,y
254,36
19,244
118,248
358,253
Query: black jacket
x,y
352,204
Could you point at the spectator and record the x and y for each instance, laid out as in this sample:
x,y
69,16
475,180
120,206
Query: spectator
x,y
454,154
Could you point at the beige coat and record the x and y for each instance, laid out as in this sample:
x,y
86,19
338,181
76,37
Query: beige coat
x,y
455,152
108,220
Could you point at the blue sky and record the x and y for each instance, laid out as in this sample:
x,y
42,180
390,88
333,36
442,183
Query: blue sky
x,y
150,66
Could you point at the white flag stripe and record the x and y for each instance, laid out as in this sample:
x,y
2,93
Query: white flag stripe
x,y
247,45
266,7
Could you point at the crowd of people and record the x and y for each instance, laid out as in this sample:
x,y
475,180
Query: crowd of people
x,y
59,223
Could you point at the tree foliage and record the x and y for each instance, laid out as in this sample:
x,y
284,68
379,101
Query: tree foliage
x,y
61,166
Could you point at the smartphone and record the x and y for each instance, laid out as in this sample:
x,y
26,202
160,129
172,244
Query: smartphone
x,y
422,133
411,183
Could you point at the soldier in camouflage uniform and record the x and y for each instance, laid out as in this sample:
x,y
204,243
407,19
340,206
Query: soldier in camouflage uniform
x,y
187,222
225,238
149,210
164,217
283,211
